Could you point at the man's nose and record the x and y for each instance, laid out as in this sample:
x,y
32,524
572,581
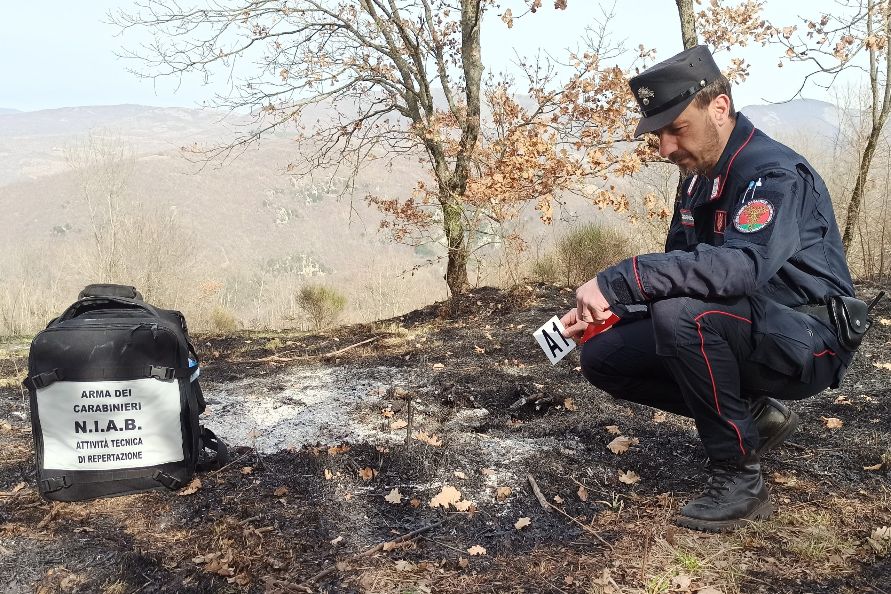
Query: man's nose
x,y
667,144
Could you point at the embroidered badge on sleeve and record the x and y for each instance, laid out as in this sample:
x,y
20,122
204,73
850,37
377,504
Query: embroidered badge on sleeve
x,y
753,216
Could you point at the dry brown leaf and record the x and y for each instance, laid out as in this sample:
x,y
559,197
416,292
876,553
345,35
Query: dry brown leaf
x,y
460,474
463,505
522,523
415,502
628,477
660,416
883,365
191,488
328,475
502,493
681,582
280,491
842,400
448,496
782,479
438,366
403,565
884,322
400,424
832,422
394,497
880,540
366,474
429,439
479,349
387,413
583,493
621,444
19,487
875,467
462,562
613,429
569,404
335,450
476,550
247,470
709,590
336,541
558,500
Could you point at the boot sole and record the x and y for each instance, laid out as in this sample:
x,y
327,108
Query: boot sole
x,y
780,436
762,512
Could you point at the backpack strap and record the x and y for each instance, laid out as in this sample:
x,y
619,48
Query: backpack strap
x,y
52,484
87,304
42,380
210,441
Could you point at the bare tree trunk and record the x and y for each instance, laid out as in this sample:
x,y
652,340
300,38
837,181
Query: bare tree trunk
x,y
688,23
453,224
690,39
856,200
879,117
456,267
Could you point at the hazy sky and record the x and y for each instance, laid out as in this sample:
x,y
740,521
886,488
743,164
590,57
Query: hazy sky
x,y
69,58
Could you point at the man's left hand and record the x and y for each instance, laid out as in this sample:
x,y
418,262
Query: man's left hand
x,y
591,305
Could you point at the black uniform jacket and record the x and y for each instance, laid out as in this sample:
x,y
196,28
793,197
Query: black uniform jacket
x,y
763,227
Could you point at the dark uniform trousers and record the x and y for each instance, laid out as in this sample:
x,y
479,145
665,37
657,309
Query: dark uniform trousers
x,y
695,358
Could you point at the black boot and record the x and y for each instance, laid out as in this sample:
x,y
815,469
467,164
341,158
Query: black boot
x,y
775,423
735,495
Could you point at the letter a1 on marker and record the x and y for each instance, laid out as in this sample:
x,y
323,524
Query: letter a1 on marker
x,y
552,339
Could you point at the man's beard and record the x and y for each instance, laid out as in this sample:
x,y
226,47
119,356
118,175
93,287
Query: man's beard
x,y
710,153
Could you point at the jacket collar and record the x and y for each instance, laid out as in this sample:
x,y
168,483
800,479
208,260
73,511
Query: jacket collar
x,y
742,133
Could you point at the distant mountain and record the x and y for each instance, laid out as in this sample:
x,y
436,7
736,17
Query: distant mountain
x,y
799,118
247,216
5,110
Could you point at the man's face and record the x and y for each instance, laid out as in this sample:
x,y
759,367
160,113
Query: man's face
x,y
691,141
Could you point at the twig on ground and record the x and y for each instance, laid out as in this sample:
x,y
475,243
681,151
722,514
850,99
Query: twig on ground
x,y
283,587
547,504
538,494
222,468
53,512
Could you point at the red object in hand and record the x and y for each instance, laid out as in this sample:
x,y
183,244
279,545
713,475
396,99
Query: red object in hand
x,y
594,329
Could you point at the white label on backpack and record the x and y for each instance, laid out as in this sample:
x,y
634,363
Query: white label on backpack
x,y
109,425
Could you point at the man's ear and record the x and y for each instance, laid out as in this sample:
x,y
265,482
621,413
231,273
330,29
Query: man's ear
x,y
720,110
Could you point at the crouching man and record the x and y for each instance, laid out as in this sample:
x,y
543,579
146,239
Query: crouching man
x,y
733,313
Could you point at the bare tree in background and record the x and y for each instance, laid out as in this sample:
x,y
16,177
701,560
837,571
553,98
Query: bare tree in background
x,y
103,165
405,77
855,37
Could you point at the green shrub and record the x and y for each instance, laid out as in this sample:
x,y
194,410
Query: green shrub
x,y
323,305
582,253
222,320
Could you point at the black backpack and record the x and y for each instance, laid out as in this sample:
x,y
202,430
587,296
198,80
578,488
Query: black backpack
x,y
115,399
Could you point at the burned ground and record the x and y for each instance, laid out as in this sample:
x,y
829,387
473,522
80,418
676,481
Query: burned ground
x,y
281,513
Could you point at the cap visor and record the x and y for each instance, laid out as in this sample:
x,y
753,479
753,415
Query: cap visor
x,y
661,119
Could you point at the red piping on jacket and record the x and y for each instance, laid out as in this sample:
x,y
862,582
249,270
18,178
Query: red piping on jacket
x,y
637,276
709,366
826,352
727,171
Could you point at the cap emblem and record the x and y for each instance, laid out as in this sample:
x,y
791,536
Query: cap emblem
x,y
645,94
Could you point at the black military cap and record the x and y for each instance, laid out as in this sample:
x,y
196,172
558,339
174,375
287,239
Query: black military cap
x,y
664,90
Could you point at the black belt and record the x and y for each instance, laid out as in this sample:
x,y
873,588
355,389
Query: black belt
x,y
819,311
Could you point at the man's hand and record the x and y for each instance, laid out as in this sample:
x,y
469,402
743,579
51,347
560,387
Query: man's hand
x,y
591,305
571,324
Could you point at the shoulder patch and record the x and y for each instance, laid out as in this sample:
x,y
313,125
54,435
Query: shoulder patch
x,y
753,216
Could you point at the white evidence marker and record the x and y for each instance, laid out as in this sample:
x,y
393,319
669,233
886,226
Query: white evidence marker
x,y
552,339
